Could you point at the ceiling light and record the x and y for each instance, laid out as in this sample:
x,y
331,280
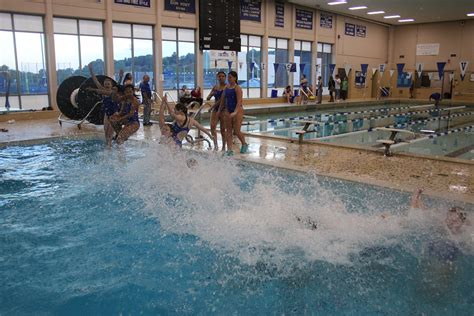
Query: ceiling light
x,y
470,14
337,2
358,8
391,16
406,20
376,12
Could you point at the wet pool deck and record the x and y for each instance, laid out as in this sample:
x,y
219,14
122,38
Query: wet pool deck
x,y
442,178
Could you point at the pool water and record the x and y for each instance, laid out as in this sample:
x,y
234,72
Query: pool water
x,y
89,231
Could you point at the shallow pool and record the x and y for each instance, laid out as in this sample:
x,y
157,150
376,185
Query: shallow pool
x,y
88,231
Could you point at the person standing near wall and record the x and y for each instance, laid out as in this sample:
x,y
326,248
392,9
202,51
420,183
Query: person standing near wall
x,y
319,90
344,88
332,88
146,100
337,87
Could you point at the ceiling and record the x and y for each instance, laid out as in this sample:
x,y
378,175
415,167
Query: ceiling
x,y
423,11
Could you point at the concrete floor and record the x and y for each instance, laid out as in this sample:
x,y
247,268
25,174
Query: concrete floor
x,y
447,179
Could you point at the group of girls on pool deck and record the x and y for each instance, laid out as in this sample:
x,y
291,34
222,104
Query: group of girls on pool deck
x,y
228,110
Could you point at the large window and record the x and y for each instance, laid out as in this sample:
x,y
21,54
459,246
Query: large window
x,y
215,61
78,43
179,59
133,50
249,65
277,59
302,57
324,60
22,62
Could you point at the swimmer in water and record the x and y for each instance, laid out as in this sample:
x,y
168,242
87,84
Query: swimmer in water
x,y
166,129
110,103
216,116
455,223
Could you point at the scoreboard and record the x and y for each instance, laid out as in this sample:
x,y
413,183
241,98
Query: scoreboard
x,y
219,25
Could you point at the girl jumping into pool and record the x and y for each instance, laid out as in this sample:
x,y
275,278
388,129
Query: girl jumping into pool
x,y
182,123
110,103
233,113
216,116
127,119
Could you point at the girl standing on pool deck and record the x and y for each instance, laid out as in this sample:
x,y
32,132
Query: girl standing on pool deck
x,y
233,113
216,116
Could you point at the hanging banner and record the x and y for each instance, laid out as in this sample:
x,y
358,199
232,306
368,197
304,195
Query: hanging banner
x,y
275,66
427,49
463,65
185,6
350,29
363,68
302,68
347,68
373,71
430,75
419,68
451,76
229,63
325,20
252,66
400,68
382,68
410,74
251,10
138,3
441,68
304,19
279,14
290,67
391,72
332,68
361,30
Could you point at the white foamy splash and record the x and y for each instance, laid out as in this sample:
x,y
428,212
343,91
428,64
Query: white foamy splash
x,y
258,222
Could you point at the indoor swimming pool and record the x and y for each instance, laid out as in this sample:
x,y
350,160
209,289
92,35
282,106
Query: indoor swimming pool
x,y
89,231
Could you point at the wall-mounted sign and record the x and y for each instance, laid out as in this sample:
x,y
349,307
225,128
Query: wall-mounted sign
x,y
186,6
427,49
361,30
139,3
350,29
251,10
304,19
279,14
325,20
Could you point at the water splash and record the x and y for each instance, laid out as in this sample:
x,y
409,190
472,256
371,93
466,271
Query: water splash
x,y
267,216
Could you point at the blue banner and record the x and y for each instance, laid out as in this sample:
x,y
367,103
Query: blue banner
x,y
325,20
350,29
279,14
185,6
364,68
229,63
332,67
275,66
292,67
251,10
138,3
302,68
304,19
441,69
400,68
252,66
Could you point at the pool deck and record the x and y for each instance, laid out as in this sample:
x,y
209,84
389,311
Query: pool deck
x,y
441,178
